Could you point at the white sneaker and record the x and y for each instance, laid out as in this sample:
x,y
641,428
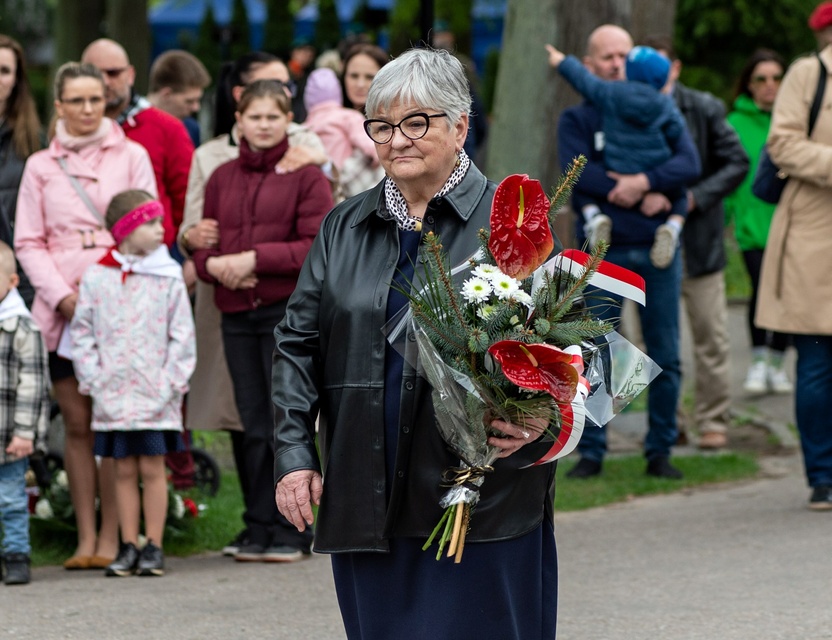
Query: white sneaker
x,y
778,381
756,381
597,229
664,247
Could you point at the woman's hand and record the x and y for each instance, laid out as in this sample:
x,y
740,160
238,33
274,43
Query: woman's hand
x,y
205,234
66,307
514,436
298,157
296,493
235,270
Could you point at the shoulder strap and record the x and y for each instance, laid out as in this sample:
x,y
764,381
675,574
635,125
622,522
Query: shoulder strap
x,y
816,103
84,195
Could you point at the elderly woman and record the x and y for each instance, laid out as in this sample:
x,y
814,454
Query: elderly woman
x,y
381,454
795,293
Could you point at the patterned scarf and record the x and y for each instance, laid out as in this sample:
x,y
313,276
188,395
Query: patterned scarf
x,y
397,205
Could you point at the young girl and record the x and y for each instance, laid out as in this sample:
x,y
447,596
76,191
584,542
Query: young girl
x,y
267,221
133,350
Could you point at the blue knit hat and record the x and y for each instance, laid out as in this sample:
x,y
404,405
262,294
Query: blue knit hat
x,y
645,64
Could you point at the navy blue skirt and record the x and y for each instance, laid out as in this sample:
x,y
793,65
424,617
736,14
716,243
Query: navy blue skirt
x,y
124,444
506,590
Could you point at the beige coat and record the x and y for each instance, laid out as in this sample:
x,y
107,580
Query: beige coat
x,y
795,293
211,398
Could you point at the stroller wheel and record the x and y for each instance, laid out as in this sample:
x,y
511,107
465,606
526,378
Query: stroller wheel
x,y
206,472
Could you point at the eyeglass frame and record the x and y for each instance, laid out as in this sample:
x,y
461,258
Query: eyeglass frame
x,y
393,127
94,101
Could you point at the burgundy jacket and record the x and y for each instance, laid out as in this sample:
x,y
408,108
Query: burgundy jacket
x,y
277,215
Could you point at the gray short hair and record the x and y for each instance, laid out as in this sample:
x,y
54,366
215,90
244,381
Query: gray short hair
x,y
429,78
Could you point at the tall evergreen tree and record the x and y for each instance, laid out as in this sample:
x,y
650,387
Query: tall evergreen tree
x,y
279,28
328,28
207,46
240,30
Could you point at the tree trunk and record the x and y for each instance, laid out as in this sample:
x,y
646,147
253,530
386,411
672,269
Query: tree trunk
x,y
530,95
127,24
76,24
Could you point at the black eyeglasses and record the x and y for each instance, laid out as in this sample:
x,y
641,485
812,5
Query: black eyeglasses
x,y
113,73
95,101
761,79
413,127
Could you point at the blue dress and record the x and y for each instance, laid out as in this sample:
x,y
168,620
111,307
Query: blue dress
x,y
503,590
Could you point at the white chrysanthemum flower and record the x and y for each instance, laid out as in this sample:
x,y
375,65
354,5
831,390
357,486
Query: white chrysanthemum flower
x,y
523,298
43,509
61,480
486,271
504,286
486,311
476,290
178,506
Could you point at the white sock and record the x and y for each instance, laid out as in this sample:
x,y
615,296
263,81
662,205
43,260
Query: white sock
x,y
590,211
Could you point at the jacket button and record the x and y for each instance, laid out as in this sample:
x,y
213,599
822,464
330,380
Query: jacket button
x,y
430,220
408,385
412,337
400,474
405,429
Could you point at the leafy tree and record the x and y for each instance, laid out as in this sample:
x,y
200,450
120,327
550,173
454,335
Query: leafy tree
x,y
240,30
328,28
457,14
713,38
404,26
279,28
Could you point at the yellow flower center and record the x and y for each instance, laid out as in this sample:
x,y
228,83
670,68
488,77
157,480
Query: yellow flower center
x,y
521,209
529,355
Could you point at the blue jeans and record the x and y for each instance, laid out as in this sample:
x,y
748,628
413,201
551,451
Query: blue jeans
x,y
813,406
660,328
14,507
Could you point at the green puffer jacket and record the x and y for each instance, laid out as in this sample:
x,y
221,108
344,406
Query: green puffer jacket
x,y
750,215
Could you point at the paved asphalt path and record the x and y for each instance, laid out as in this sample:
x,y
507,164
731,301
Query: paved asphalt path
x,y
743,561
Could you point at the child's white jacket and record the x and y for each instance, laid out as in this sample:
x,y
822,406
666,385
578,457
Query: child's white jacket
x,y
133,344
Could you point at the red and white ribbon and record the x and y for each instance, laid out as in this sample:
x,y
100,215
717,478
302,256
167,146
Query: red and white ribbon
x,y
572,415
609,277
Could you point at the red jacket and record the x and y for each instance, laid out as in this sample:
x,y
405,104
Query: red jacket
x,y
170,149
277,215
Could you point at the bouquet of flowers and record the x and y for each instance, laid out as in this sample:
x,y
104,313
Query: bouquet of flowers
x,y
53,504
507,344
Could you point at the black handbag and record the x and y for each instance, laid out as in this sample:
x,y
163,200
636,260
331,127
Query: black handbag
x,y
769,180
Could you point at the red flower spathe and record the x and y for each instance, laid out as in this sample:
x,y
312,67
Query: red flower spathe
x,y
520,238
542,367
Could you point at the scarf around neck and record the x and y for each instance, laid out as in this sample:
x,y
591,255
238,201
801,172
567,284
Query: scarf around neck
x,y
75,143
397,205
12,306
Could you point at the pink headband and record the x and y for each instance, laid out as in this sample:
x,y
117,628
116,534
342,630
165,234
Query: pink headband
x,y
136,218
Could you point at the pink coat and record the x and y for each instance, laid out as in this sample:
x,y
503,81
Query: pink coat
x,y
56,236
341,130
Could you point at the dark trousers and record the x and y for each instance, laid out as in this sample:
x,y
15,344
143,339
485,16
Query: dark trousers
x,y
248,338
760,337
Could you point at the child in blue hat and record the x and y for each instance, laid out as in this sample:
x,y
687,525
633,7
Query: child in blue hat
x,y
641,127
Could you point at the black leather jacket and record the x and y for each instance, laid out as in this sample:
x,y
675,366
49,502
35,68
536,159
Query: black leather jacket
x,y
724,165
11,171
330,353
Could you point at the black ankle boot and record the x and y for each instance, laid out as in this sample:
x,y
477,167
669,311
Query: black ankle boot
x,y
126,562
16,568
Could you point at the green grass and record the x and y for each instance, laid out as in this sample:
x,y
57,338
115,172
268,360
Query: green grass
x,y
624,478
218,523
737,282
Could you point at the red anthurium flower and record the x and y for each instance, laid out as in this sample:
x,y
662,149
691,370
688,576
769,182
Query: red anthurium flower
x,y
537,366
520,236
190,505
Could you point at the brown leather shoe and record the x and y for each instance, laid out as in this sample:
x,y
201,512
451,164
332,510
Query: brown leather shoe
x,y
76,563
100,562
713,440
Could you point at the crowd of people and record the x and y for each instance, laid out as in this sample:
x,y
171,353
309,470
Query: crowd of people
x,y
153,283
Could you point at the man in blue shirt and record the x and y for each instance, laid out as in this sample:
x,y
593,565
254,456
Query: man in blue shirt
x,y
636,207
